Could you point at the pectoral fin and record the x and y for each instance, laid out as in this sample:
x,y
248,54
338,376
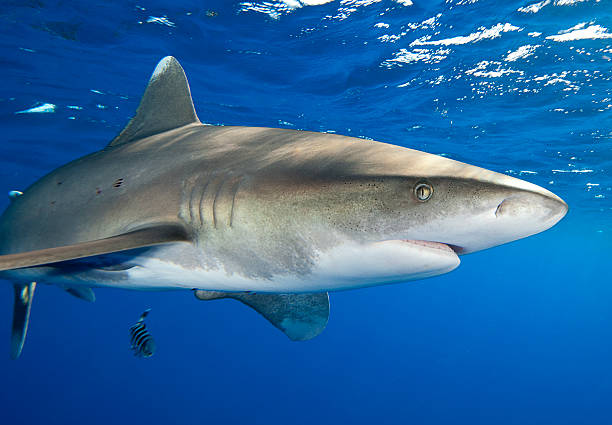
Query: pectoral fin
x,y
136,239
21,316
83,292
299,316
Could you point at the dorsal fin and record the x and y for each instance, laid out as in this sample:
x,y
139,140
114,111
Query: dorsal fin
x,y
165,105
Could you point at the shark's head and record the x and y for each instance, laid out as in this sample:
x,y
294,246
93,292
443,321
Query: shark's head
x,y
412,210
469,208
372,191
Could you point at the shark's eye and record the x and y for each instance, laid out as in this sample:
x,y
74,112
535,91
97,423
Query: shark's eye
x,y
423,191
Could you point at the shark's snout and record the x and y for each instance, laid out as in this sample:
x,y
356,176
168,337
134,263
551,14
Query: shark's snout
x,y
509,210
545,208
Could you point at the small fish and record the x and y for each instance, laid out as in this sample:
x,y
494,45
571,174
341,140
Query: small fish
x,y
143,344
14,194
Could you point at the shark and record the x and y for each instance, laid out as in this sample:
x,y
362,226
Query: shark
x,y
273,218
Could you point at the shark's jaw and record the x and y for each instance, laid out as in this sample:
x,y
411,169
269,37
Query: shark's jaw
x,y
354,265
434,245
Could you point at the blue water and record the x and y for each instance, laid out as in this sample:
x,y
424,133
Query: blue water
x,y
519,334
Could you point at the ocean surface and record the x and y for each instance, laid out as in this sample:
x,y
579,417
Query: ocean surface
x,y
518,334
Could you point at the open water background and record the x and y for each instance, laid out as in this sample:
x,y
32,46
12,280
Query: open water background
x,y
519,334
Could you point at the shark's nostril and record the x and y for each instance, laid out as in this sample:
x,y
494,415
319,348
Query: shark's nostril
x,y
518,206
531,206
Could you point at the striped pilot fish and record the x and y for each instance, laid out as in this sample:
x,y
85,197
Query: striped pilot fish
x,y
143,344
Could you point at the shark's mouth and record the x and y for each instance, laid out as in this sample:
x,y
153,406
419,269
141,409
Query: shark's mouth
x,y
437,245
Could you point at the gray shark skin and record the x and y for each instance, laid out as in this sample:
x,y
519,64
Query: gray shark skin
x,y
172,204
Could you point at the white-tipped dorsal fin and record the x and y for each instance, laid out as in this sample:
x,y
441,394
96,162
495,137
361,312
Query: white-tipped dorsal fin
x,y
165,105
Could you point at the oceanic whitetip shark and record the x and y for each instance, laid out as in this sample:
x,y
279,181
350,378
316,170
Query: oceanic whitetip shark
x,y
275,218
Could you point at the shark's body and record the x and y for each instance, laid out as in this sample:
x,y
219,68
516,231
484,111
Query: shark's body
x,y
171,203
232,189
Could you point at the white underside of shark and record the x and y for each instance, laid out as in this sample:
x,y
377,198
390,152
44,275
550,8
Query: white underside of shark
x,y
346,266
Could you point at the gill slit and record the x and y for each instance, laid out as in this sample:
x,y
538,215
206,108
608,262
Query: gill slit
x,y
214,204
191,206
201,203
235,191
